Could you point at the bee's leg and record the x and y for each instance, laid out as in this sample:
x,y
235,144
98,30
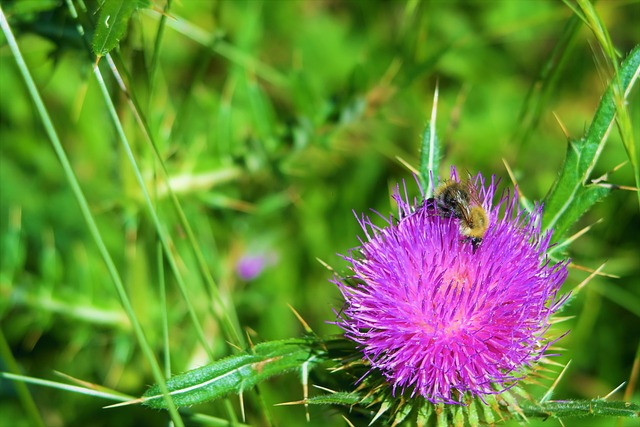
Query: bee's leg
x,y
430,204
445,210
475,242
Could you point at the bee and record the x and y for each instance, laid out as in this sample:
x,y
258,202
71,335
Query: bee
x,y
459,200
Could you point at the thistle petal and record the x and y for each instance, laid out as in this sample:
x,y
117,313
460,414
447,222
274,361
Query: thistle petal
x,y
441,318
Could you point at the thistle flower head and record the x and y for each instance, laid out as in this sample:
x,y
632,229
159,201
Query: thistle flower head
x,y
441,317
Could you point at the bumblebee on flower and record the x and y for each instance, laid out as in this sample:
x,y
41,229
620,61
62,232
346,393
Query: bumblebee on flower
x,y
449,315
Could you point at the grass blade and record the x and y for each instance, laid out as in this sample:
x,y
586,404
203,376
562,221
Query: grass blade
x,y
84,208
22,391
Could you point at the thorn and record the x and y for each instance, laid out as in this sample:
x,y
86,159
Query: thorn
x,y
557,319
601,180
616,186
295,402
234,345
590,270
348,422
305,325
249,339
546,377
305,389
509,172
162,12
407,165
589,277
496,408
97,387
615,168
324,389
383,408
128,402
584,230
534,381
241,398
77,381
575,236
614,390
524,201
520,412
547,395
325,265
562,127
549,361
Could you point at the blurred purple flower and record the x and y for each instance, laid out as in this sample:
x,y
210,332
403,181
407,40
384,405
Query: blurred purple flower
x,y
441,320
250,266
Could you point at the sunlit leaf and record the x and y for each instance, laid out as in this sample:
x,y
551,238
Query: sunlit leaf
x,y
112,23
571,195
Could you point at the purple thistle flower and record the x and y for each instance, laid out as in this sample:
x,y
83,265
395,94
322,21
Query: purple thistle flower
x,y
440,319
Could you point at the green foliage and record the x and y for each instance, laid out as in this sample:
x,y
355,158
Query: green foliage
x,y
228,131
396,410
581,408
337,398
112,23
430,152
236,374
30,7
571,195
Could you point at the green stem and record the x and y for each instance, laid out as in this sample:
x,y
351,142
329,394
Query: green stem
x,y
579,408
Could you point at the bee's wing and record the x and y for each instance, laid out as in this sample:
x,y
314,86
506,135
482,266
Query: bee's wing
x,y
474,199
465,212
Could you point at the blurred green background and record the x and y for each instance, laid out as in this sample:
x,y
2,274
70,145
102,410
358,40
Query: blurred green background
x,y
275,120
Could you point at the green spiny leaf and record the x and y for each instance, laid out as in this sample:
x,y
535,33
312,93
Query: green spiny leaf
x,y
402,413
339,398
570,197
458,416
235,374
442,416
472,413
577,408
112,23
488,409
430,151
